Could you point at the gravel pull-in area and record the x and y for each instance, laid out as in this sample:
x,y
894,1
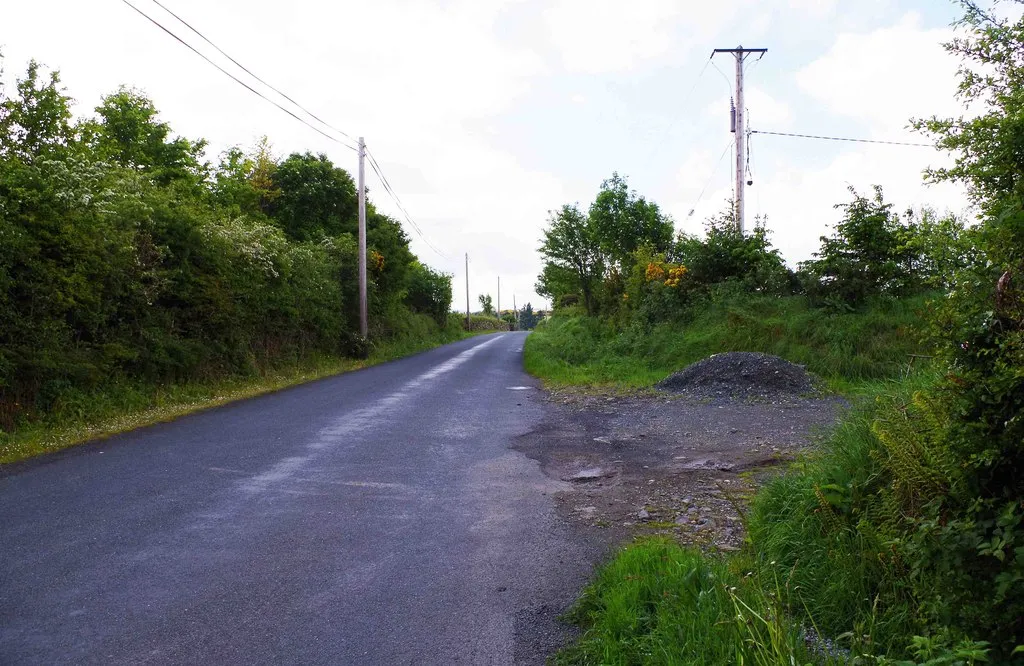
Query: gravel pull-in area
x,y
743,375
668,464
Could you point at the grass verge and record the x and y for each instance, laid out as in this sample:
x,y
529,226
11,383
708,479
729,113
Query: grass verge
x,y
845,349
120,407
660,603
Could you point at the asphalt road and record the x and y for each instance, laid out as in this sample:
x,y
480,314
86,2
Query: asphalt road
x,y
377,517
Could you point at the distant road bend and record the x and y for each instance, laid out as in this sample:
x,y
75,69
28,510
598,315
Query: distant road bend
x,y
376,517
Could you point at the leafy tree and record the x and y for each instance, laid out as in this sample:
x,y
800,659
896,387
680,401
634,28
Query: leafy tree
x,y
244,182
556,282
37,122
622,222
527,318
727,255
870,253
122,262
429,292
989,148
316,198
389,260
967,550
486,304
942,245
129,134
571,246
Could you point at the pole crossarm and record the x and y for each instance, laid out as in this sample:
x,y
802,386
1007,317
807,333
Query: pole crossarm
x,y
738,49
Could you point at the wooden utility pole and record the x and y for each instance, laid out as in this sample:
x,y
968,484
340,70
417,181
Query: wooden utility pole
x,y
363,317
514,309
739,128
467,292
498,306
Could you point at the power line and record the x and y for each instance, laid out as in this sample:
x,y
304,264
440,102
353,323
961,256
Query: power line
x,y
373,162
387,188
727,81
840,138
726,78
250,72
398,202
405,213
675,118
235,78
710,178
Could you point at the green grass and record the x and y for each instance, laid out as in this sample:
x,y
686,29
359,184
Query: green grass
x,y
844,349
824,521
122,406
659,603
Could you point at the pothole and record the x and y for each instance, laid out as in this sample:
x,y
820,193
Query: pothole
x,y
587,475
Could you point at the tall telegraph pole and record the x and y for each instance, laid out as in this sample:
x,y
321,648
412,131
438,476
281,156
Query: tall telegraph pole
x,y
467,292
738,127
363,321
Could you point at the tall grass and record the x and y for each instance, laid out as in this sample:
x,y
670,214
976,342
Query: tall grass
x,y
844,348
660,603
824,522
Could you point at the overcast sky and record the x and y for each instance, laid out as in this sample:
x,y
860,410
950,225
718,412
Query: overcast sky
x,y
486,115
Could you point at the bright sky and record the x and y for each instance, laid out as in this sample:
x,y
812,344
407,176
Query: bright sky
x,y
485,114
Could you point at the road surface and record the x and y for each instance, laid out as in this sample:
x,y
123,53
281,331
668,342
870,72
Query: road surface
x,y
377,517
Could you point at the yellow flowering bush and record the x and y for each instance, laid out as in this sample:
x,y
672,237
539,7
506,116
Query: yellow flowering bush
x,y
656,289
669,274
675,274
655,272
376,261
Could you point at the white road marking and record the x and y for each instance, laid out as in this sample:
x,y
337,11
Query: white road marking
x,y
360,419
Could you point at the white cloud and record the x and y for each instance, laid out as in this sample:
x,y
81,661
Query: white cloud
x,y
814,9
886,76
605,35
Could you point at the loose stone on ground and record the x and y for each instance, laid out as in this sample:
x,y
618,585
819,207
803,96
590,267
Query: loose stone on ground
x,y
678,463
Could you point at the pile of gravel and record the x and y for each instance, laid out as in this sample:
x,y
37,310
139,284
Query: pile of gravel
x,y
743,375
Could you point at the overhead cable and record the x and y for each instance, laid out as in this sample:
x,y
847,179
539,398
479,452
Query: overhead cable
x,y
675,119
236,79
377,169
840,138
710,178
250,72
